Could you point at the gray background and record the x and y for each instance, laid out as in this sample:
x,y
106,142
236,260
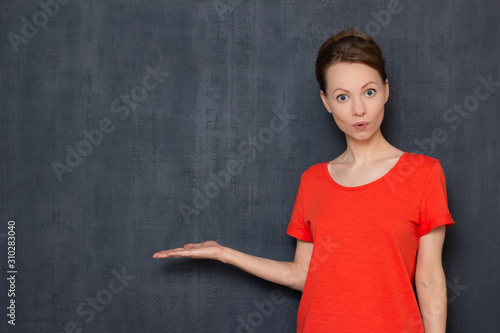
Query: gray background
x,y
230,65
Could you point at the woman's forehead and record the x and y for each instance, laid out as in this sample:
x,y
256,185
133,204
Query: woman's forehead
x,y
351,74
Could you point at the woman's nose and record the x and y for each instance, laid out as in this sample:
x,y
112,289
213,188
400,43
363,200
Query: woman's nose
x,y
358,107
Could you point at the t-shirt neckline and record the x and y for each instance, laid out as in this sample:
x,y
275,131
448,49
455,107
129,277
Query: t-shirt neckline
x,y
360,187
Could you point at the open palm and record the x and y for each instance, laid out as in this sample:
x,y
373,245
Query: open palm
x,y
205,250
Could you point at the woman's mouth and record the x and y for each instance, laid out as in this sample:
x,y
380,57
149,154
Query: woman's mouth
x,y
360,125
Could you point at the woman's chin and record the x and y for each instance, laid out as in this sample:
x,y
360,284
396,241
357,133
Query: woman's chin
x,y
360,136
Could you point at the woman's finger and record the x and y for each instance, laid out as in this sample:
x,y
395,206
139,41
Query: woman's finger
x,y
166,253
199,250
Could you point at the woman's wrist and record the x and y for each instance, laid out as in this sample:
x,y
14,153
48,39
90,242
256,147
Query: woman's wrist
x,y
225,254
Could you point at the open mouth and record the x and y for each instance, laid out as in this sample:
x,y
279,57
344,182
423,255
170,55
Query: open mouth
x,y
361,125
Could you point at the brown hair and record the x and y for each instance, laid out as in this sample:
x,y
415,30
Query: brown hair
x,y
351,46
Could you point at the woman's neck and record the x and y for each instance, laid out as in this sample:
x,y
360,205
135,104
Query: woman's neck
x,y
365,152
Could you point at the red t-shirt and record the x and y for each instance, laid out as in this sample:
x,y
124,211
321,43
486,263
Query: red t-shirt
x,y
362,268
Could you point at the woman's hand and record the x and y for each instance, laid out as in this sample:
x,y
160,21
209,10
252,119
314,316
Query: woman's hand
x,y
290,274
205,250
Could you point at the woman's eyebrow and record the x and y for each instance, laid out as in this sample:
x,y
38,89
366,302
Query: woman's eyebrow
x,y
367,83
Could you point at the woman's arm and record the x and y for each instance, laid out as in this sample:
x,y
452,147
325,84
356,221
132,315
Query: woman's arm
x,y
290,274
430,281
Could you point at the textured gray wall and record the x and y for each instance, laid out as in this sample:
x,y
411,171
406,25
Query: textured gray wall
x,y
115,116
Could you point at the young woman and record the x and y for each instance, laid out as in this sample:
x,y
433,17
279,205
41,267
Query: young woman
x,y
370,225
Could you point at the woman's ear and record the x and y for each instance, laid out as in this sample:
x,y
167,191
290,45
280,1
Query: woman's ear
x,y
386,90
325,101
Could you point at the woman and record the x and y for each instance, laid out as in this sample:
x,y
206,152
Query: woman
x,y
359,219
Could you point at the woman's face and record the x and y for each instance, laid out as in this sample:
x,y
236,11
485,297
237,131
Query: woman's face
x,y
355,94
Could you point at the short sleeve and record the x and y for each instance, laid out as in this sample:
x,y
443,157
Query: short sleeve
x,y
434,211
298,227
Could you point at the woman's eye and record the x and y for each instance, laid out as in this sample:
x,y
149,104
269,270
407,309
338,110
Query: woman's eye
x,y
370,92
341,98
